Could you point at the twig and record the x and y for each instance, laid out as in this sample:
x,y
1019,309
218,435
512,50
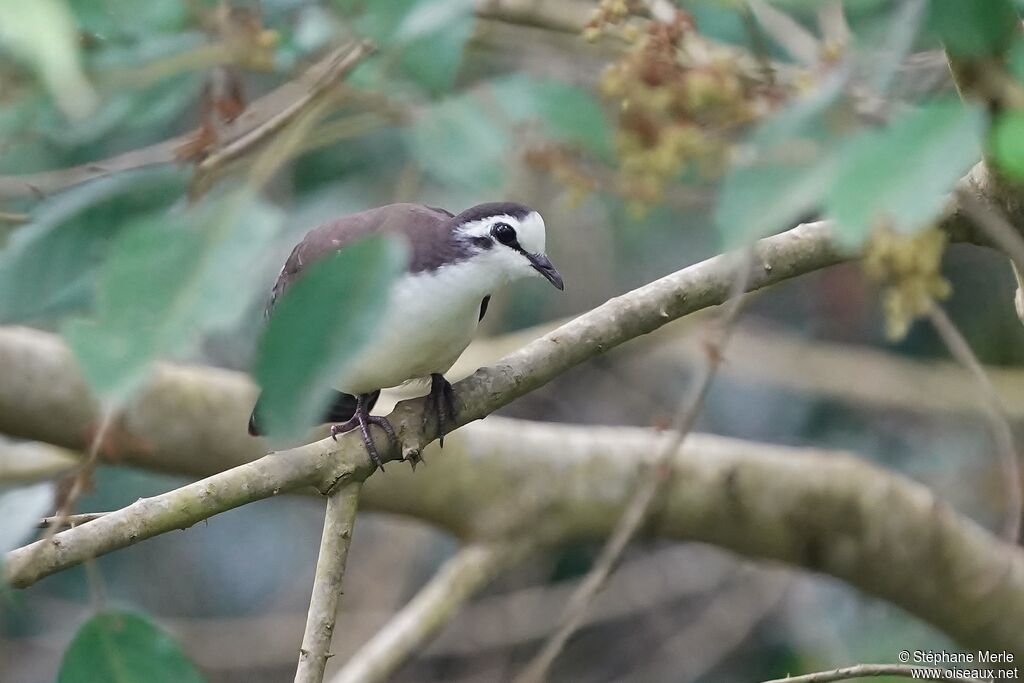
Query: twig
x,y
639,586
871,670
330,569
14,218
651,486
274,109
994,224
710,636
335,67
1002,434
29,462
83,476
56,521
435,605
47,182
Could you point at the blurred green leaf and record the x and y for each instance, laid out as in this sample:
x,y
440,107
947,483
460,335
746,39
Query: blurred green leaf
x,y
21,509
1015,59
122,647
568,112
43,34
974,29
141,112
120,20
49,266
1007,144
900,175
785,168
319,325
889,43
459,143
170,279
426,37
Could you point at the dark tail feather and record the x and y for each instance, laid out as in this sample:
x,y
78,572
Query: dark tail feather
x,y
341,408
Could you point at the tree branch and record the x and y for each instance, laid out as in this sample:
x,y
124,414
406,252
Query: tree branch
x,y
434,606
339,519
317,82
1002,433
25,463
825,514
871,671
650,488
262,118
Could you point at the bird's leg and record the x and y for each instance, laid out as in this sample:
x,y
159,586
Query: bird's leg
x,y
441,400
363,420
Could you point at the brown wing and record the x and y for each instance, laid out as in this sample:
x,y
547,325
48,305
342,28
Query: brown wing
x,y
427,230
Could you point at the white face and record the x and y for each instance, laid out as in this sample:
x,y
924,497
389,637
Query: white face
x,y
511,245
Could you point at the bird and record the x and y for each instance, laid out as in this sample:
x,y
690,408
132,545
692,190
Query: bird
x,y
455,264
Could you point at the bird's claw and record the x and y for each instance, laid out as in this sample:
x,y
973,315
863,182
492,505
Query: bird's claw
x,y
363,420
441,400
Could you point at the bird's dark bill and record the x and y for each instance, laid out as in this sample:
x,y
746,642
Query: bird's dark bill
x,y
543,265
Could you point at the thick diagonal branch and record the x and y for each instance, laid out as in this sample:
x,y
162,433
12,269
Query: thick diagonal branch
x,y
880,532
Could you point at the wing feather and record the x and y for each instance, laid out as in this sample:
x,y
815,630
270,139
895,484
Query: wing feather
x,y
428,231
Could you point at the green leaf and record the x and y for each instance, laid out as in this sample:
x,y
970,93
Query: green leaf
x,y
319,325
42,33
425,37
888,44
20,511
49,266
170,279
568,112
433,36
785,168
974,29
459,143
121,20
122,647
1015,59
1007,144
900,175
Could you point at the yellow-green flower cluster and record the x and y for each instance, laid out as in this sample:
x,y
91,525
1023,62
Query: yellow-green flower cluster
x,y
908,267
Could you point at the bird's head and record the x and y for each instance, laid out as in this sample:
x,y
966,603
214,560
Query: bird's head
x,y
508,236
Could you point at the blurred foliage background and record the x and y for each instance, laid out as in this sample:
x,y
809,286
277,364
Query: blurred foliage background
x,y
622,132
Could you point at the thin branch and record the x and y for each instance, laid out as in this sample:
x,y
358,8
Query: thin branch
x,y
709,637
83,476
641,585
760,500
44,183
651,487
57,522
321,79
871,671
29,462
339,520
1002,433
434,606
261,118
993,223
14,218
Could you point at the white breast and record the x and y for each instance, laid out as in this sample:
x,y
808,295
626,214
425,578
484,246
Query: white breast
x,y
431,318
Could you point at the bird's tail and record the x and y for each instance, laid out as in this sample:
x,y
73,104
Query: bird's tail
x,y
341,408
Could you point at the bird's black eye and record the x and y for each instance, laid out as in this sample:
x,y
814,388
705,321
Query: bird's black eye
x,y
504,233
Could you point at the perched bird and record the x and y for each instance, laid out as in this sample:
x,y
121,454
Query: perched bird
x,y
433,308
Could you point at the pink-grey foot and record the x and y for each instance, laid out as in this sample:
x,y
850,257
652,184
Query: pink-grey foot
x,y
363,420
